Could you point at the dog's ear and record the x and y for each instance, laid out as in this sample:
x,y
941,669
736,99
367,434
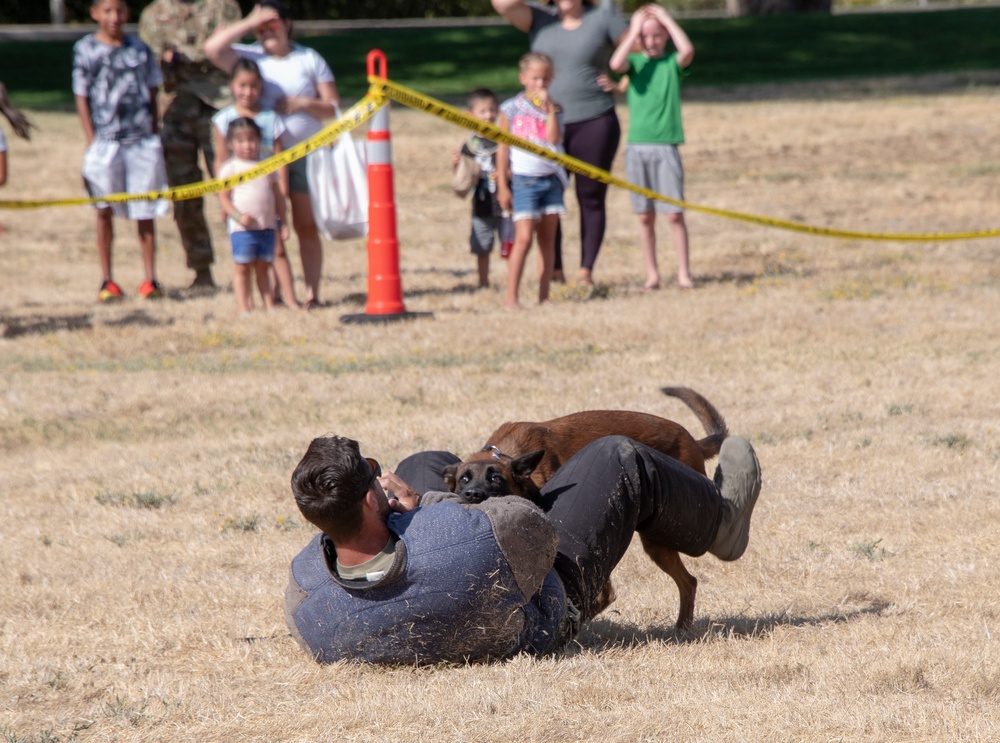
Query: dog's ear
x,y
522,467
449,474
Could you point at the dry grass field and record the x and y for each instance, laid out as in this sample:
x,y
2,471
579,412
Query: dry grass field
x,y
145,448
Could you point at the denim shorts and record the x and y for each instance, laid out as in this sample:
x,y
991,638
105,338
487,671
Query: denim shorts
x,y
253,245
537,195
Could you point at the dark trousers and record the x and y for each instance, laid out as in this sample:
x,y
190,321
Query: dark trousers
x,y
594,141
187,135
599,499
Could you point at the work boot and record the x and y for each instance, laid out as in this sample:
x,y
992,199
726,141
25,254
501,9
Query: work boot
x,y
203,279
738,479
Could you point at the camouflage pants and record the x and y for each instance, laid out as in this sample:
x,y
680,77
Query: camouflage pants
x,y
187,132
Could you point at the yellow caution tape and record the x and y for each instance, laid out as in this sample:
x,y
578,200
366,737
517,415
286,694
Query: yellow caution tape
x,y
413,99
381,90
355,116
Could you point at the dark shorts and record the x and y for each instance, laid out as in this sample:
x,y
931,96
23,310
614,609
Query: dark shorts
x,y
298,180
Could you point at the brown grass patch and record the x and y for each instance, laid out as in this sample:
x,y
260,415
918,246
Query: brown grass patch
x,y
865,373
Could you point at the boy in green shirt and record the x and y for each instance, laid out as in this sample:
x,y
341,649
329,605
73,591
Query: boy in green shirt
x,y
654,103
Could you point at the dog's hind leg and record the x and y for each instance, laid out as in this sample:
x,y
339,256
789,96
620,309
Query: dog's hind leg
x,y
687,585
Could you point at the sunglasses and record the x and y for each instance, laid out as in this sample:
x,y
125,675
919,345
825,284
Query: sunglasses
x,y
269,26
376,472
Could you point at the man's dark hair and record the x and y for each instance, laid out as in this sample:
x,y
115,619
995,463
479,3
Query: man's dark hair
x,y
480,94
329,485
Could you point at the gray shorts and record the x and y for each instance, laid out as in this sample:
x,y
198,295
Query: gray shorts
x,y
481,237
111,167
656,167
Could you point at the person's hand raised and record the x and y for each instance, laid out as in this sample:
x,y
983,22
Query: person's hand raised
x,y
402,497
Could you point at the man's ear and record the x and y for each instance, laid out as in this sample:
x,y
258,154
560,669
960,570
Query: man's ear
x,y
370,502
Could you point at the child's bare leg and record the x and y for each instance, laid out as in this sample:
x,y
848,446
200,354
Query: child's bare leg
x,y
241,287
105,237
263,271
523,232
147,242
546,254
679,227
283,273
483,266
647,241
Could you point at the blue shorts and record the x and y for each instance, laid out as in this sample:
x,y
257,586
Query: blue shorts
x,y
253,245
537,195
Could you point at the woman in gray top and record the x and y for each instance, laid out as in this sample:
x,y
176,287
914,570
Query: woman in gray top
x,y
580,39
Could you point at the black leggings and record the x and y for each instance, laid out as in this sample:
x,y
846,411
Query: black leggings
x,y
594,141
599,499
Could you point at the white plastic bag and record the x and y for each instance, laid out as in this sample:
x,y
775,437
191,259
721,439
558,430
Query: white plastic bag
x,y
338,187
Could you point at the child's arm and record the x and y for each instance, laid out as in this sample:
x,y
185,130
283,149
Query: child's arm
x,y
504,197
282,174
619,59
226,201
83,111
685,49
280,207
221,148
229,208
553,127
553,132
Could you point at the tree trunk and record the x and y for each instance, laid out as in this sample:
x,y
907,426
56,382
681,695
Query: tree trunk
x,y
776,7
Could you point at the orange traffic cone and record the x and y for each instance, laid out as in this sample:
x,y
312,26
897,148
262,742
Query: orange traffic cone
x,y
385,288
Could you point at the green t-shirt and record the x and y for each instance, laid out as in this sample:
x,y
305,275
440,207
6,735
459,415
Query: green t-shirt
x,y
654,100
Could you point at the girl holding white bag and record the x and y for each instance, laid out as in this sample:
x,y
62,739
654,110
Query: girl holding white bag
x,y
299,84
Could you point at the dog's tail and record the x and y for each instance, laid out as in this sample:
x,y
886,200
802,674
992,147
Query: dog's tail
x,y
710,418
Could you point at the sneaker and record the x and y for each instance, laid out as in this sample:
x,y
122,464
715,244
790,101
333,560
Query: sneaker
x,y
738,479
151,290
110,291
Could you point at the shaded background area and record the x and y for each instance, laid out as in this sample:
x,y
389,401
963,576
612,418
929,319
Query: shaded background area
x,y
448,61
78,10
